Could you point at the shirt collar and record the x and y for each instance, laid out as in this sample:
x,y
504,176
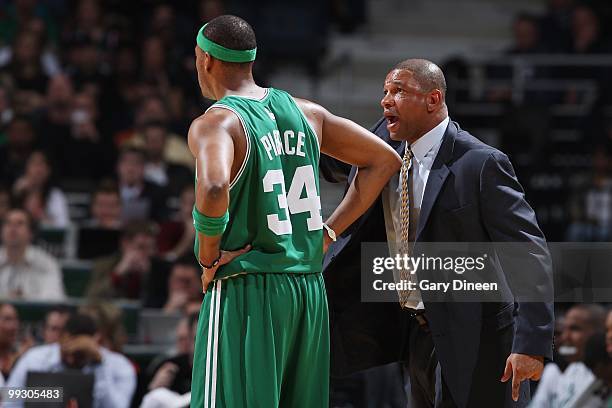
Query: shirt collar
x,y
27,258
429,140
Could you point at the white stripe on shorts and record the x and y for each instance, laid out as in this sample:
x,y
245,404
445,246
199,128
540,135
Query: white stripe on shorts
x,y
213,395
210,331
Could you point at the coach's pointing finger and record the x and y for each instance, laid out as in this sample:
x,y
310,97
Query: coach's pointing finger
x,y
522,367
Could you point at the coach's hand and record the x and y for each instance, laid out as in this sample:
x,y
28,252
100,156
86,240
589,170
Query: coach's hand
x,y
522,367
326,243
226,257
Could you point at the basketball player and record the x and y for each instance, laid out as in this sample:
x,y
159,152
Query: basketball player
x,y
263,338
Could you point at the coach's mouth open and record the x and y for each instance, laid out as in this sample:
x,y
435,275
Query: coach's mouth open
x,y
392,122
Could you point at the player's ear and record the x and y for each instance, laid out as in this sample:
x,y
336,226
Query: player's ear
x,y
208,61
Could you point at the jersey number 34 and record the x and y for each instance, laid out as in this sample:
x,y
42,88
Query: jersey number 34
x,y
292,202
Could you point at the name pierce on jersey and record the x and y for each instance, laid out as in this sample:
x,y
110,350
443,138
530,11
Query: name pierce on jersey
x,y
290,143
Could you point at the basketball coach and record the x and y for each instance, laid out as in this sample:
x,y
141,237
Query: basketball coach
x,y
451,188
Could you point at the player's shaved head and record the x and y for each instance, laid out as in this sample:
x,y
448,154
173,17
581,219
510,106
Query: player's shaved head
x,y
428,75
235,34
231,32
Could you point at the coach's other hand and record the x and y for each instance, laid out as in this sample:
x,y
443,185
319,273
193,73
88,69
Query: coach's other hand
x,y
522,367
226,257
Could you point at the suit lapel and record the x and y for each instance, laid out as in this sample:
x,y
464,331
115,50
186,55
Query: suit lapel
x,y
438,174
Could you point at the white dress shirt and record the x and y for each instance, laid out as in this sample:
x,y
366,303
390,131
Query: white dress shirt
x,y
57,210
114,377
425,150
37,277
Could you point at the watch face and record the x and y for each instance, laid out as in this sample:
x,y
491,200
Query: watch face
x,y
330,232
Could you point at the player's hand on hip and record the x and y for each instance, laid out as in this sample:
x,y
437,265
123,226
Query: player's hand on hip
x,y
522,367
226,257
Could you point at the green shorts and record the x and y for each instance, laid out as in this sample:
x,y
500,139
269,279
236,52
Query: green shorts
x,y
263,341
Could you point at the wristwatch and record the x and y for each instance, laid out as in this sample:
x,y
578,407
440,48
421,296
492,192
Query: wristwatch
x,y
330,232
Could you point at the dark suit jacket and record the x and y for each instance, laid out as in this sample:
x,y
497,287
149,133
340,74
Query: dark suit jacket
x,y
472,195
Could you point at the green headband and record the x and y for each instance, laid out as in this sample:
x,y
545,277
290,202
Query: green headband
x,y
222,53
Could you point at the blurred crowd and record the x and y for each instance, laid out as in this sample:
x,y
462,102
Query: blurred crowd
x,y
97,270
547,99
96,97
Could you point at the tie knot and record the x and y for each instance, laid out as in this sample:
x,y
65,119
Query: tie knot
x,y
408,153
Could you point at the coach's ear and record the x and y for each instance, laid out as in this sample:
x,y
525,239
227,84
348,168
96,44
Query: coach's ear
x,y
434,100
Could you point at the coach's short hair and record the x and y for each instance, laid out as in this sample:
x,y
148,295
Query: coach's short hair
x,y
231,32
428,75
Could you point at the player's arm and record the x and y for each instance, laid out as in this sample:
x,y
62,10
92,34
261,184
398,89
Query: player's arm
x,y
350,143
211,143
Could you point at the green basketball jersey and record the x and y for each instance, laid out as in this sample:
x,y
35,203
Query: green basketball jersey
x,y
274,200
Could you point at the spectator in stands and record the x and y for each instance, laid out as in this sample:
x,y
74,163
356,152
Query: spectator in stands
x,y
20,142
86,67
9,328
105,207
176,237
587,39
44,201
598,360
609,332
591,204
140,199
174,30
6,108
154,65
555,25
124,90
56,117
184,336
19,14
109,322
5,201
126,274
25,67
347,14
78,349
82,138
55,322
183,286
581,322
526,35
174,373
26,272
172,177
89,23
584,384
153,109
586,32
526,40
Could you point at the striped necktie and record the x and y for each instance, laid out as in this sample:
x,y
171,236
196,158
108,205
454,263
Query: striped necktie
x,y
405,226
